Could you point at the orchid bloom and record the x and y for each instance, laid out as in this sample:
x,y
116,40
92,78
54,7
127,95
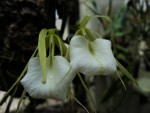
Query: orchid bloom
x,y
144,86
143,5
59,77
92,57
48,77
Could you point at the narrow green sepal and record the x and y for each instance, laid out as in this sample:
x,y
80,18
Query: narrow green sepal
x,y
91,36
124,71
60,44
84,21
42,52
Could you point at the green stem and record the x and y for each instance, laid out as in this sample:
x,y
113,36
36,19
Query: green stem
x,y
64,48
124,71
17,81
88,92
83,32
20,100
121,80
80,103
59,44
53,47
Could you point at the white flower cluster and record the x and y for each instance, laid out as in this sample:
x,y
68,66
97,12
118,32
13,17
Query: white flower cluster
x,y
87,56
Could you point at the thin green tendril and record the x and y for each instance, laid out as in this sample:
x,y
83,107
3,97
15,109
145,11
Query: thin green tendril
x,y
17,81
20,100
121,80
88,92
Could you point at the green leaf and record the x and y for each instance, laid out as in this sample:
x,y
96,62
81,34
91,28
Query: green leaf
x,y
124,71
42,52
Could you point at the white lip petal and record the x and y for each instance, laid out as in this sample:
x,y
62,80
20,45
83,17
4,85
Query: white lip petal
x,y
81,58
105,55
99,62
57,82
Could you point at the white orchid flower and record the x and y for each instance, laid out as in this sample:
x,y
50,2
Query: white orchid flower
x,y
59,77
143,5
92,58
144,85
126,2
143,81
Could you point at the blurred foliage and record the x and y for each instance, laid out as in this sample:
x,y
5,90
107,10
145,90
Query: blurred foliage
x,y
129,27
21,22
